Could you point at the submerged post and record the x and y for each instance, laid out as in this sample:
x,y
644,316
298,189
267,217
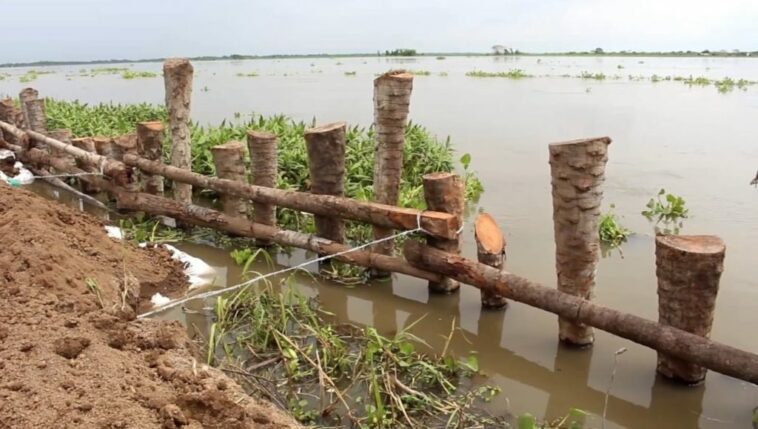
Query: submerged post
x,y
264,161
444,192
392,98
150,146
490,250
326,156
177,77
578,172
229,159
689,268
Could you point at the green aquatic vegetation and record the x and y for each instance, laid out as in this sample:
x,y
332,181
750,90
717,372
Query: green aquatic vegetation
x,y
442,74
420,72
612,233
32,75
107,120
104,70
129,74
440,58
668,209
701,81
344,375
350,73
146,229
595,76
251,74
510,74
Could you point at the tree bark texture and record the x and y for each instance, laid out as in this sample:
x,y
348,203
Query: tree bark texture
x,y
663,338
177,77
150,146
689,269
392,98
436,223
490,250
264,162
86,144
578,172
326,162
239,226
12,115
64,136
31,110
444,192
229,159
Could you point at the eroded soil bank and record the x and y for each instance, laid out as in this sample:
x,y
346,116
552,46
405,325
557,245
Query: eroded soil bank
x,y
72,353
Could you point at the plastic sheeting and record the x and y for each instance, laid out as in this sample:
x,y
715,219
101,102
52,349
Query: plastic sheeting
x,y
24,176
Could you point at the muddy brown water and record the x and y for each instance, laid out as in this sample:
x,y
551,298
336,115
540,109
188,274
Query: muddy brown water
x,y
692,141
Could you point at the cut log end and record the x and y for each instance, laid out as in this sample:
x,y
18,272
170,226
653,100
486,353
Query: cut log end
x,y
328,128
232,146
258,135
395,75
695,244
560,146
488,234
172,64
153,126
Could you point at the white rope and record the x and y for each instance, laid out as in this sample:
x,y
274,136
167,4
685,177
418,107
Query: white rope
x,y
213,293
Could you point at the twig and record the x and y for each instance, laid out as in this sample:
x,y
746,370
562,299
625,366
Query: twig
x,y
449,337
610,382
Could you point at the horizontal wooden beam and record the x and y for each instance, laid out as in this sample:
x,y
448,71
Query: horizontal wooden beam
x,y
190,213
675,342
438,224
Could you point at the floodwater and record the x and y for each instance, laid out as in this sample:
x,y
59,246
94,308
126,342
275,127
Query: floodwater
x,y
692,141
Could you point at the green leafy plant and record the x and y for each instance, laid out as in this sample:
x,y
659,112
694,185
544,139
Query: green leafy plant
x,y
612,233
666,207
129,74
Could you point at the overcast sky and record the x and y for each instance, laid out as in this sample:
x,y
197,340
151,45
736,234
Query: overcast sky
x,y
103,29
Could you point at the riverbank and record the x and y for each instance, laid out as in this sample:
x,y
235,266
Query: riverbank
x,y
72,352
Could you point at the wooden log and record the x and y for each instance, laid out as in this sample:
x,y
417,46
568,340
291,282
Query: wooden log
x,y
663,338
42,157
116,170
392,98
203,216
578,172
435,223
65,136
264,162
689,269
326,159
229,159
86,144
490,250
444,192
177,76
150,146
33,110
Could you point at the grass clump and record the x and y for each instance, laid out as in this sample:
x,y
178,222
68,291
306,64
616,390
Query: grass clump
x,y
251,74
595,76
341,375
612,233
350,73
510,74
130,74
420,72
32,75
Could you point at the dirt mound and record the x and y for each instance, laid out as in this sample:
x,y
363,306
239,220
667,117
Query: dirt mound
x,y
72,353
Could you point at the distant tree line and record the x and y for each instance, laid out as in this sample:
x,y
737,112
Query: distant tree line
x,y
401,53
689,53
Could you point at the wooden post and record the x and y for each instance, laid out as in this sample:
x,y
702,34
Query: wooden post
x,y
13,115
64,136
490,250
86,144
578,171
667,339
444,192
177,77
688,270
150,146
34,110
326,158
229,159
264,164
392,98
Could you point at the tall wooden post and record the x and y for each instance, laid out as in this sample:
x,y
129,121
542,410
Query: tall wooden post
x,y
229,159
25,96
444,192
326,159
264,162
177,77
689,269
33,109
150,146
490,250
13,115
578,172
392,98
